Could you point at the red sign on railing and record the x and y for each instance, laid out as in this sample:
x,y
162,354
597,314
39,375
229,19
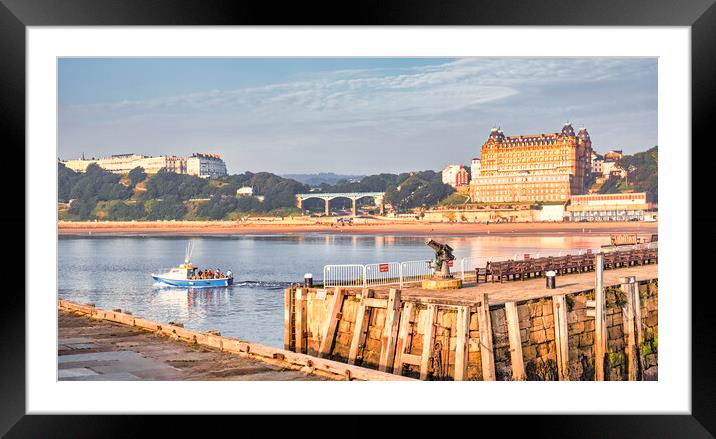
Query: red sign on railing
x,y
383,268
449,263
589,251
527,257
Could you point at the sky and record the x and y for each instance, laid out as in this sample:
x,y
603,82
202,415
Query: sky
x,y
347,115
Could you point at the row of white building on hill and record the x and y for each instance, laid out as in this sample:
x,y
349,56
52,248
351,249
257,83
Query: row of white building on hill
x,y
200,165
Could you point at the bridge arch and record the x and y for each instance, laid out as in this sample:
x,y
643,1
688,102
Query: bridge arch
x,y
378,199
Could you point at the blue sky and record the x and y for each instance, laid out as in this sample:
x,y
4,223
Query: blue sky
x,y
353,115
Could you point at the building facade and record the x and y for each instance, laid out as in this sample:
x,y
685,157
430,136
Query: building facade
x,y
597,161
542,167
245,191
201,165
455,175
614,154
608,207
205,165
610,167
475,168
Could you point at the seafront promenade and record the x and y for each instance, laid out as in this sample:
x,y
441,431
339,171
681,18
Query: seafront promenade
x,y
359,227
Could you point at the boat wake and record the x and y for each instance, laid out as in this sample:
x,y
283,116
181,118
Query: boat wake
x,y
254,284
268,285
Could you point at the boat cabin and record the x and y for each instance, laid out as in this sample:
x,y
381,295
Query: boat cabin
x,y
186,271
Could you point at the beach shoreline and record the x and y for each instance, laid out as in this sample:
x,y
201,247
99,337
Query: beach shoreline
x,y
412,228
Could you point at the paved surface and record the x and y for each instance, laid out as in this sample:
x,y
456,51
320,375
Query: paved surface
x,y
94,350
518,290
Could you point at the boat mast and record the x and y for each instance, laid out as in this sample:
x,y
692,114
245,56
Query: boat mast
x,y
189,250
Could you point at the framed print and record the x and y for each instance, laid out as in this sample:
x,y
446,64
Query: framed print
x,y
415,210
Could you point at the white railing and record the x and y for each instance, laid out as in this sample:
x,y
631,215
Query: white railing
x,y
402,273
415,271
348,275
467,266
382,274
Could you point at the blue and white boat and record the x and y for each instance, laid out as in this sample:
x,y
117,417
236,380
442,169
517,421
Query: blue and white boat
x,y
187,275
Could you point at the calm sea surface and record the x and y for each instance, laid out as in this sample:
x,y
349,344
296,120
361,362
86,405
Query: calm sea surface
x,y
114,272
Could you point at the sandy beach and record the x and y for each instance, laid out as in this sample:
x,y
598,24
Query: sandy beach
x,y
416,228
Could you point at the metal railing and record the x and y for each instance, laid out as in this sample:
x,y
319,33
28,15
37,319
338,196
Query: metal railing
x,y
347,275
403,273
382,274
415,271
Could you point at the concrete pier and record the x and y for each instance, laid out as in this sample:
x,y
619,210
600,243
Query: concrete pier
x,y
100,344
93,350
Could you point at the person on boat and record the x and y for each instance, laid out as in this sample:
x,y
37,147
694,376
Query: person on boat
x,y
217,274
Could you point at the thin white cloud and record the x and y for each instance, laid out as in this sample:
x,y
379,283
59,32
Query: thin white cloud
x,y
441,87
345,107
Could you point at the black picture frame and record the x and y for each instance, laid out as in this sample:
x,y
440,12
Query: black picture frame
x,y
16,15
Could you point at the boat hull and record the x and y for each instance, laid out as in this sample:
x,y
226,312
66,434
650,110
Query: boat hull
x,y
195,283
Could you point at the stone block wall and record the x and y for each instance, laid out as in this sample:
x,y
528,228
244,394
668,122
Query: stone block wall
x,y
649,296
537,334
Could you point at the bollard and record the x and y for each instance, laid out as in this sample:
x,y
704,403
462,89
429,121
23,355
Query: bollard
x,y
551,277
308,280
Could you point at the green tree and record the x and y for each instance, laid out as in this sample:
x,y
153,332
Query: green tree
x,y
218,207
278,192
66,179
97,183
166,183
169,208
82,208
249,204
123,211
136,175
643,171
421,189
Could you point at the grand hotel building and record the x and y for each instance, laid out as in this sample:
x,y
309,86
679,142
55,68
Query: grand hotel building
x,y
541,167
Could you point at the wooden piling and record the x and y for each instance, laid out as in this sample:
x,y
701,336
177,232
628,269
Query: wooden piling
x,y
331,323
627,287
485,328
428,339
405,336
287,320
461,344
300,306
513,331
638,329
390,331
559,310
360,326
600,323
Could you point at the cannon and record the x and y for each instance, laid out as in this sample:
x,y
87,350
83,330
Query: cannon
x,y
443,255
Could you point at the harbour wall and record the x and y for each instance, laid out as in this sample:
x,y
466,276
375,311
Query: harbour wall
x,y
547,338
290,360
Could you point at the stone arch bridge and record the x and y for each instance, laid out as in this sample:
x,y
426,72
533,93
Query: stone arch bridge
x,y
378,198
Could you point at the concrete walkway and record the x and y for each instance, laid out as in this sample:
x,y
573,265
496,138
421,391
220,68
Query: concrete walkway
x,y
94,350
518,290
